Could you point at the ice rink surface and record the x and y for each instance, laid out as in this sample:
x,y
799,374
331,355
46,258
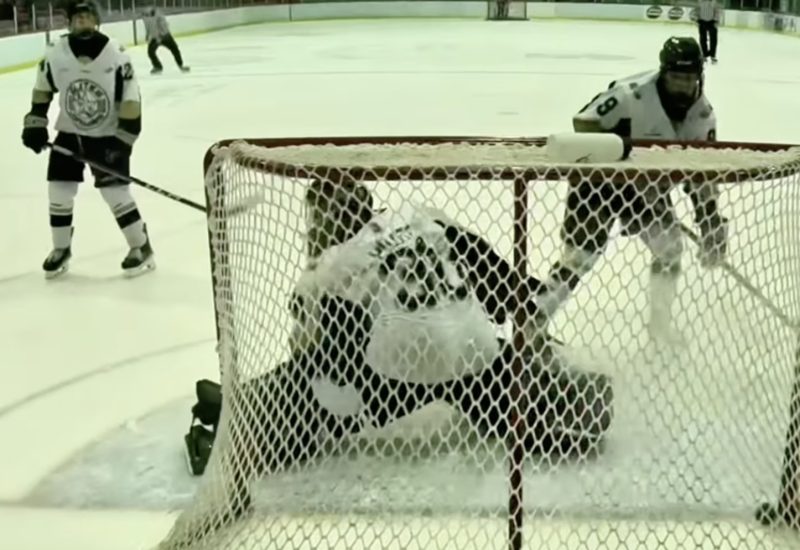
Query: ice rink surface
x,y
98,371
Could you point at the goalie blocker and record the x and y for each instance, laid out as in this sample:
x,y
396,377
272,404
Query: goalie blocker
x,y
442,291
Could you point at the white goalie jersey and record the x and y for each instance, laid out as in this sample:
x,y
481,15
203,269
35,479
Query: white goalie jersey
x,y
89,93
636,99
428,326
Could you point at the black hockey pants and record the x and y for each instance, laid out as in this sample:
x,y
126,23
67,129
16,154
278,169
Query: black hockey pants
x,y
708,38
168,42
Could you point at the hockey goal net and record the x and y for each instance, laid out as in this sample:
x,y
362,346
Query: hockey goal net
x,y
702,450
507,10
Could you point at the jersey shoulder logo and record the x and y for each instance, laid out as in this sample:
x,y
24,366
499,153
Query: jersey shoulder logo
x,y
126,71
87,104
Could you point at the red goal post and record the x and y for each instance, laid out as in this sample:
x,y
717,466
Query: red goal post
x,y
254,187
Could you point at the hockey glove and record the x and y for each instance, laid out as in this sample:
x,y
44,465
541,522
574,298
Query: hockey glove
x,y
121,145
713,241
34,133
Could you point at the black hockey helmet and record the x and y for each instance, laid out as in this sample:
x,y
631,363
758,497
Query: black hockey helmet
x,y
77,7
681,54
681,76
74,7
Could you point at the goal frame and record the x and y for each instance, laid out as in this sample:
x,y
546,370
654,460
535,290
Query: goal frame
x,y
784,510
493,9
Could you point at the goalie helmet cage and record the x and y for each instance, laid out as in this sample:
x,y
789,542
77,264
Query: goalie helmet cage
x,y
712,479
506,10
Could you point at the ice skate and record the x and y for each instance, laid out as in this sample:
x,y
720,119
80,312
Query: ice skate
x,y
713,60
156,70
185,69
57,262
139,260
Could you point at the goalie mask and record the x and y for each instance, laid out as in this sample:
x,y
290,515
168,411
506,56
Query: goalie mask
x,y
681,79
335,212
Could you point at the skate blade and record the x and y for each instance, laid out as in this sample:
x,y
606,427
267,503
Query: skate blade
x,y
146,267
49,275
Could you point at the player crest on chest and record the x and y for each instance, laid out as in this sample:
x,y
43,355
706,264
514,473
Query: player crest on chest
x,y
87,103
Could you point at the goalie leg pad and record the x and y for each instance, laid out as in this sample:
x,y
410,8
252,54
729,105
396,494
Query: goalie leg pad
x,y
568,411
572,402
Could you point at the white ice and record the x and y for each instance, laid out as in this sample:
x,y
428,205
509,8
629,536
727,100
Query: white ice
x,y
92,359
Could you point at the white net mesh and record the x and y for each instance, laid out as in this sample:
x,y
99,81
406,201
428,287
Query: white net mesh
x,y
501,10
411,388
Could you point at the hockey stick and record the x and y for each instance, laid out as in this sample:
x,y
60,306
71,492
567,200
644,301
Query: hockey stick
x,y
130,179
742,280
247,204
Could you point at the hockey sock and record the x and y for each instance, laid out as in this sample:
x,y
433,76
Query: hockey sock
x,y
62,202
663,289
124,208
564,277
667,247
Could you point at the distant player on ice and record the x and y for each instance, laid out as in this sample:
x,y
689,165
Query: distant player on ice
x,y
157,34
396,310
99,119
667,104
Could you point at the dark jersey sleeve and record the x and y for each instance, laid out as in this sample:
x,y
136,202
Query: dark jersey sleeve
x,y
489,274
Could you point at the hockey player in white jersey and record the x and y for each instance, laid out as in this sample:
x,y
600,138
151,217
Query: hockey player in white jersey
x,y
396,310
667,104
99,119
